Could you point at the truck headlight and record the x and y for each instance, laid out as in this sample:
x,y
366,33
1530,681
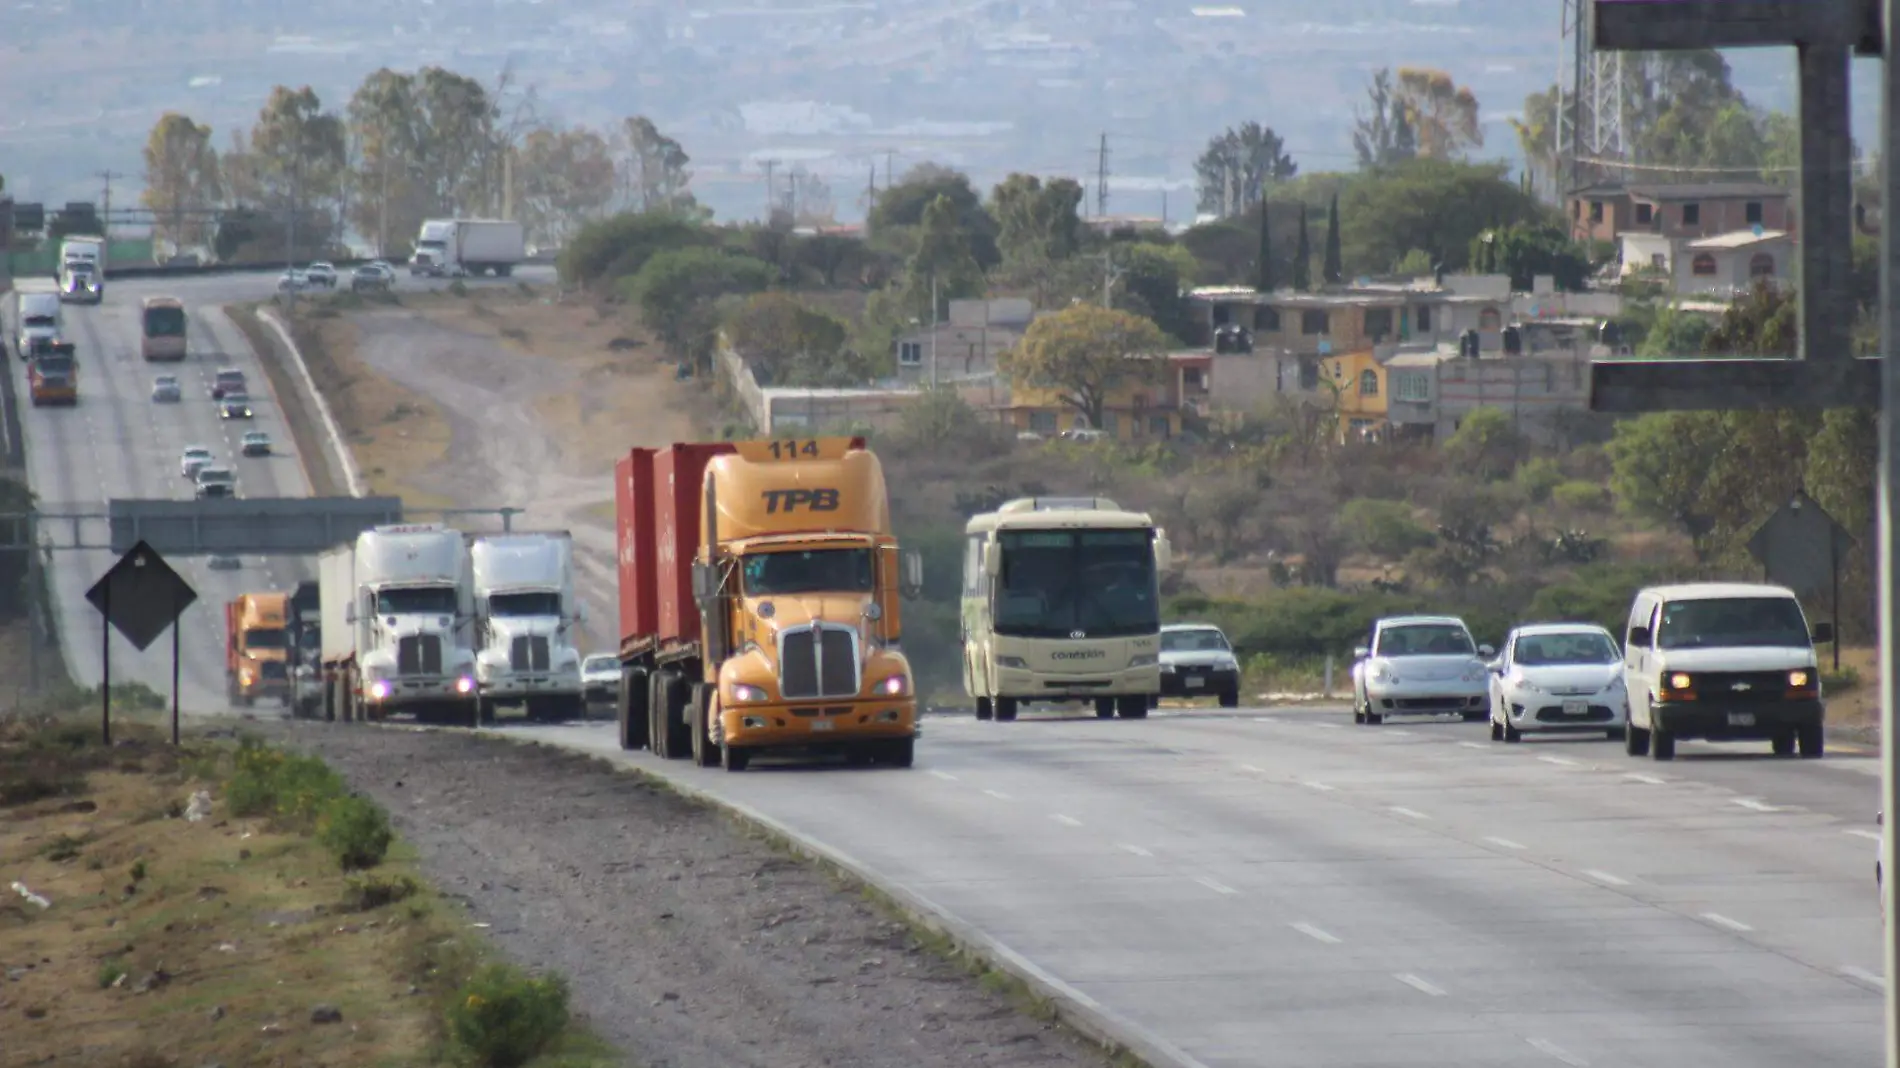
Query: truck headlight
x,y
378,690
1012,662
1142,660
895,686
465,684
744,694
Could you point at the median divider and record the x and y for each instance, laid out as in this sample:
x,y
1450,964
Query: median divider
x,y
346,460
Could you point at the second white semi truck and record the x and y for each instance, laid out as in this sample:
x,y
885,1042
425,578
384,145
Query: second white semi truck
x,y
397,611
454,247
525,620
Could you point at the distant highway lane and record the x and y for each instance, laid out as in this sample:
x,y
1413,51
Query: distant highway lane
x,y
1279,887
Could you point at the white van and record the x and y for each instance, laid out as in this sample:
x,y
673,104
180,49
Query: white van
x,y
1722,661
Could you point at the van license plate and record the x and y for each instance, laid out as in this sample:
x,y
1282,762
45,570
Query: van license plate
x,y
1741,719
1576,708
821,724
1191,682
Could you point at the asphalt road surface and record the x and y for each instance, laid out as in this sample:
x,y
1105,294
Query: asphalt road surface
x,y
1284,888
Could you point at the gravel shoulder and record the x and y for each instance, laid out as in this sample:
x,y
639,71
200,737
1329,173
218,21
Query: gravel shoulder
x,y
689,941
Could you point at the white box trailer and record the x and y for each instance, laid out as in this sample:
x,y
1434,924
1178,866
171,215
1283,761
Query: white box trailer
x,y
36,315
525,619
469,246
397,613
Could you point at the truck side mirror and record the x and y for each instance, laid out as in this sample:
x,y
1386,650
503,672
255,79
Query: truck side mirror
x,y
1487,651
1360,652
992,559
705,581
1639,638
911,563
1164,551
349,613
1823,633
580,612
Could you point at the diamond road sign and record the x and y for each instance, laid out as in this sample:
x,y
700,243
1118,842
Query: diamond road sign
x,y
141,595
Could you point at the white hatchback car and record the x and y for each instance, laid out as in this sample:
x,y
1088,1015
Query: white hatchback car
x,y
1420,666
1558,678
195,457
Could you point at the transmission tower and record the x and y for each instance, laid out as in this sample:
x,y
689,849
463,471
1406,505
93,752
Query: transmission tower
x,y
1590,105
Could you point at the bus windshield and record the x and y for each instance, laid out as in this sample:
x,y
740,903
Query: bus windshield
x,y
1075,583
164,322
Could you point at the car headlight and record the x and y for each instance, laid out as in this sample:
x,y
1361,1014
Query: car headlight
x,y
1142,660
1799,679
1526,685
1012,662
895,686
1384,674
1475,673
741,693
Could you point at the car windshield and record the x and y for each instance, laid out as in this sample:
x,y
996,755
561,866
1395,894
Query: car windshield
x,y
1576,647
209,475
166,382
1726,622
1200,640
236,396
1425,639
1057,582
408,600
601,663
197,454
230,378
536,603
808,571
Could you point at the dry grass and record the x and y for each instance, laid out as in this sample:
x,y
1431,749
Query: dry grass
x,y
1853,696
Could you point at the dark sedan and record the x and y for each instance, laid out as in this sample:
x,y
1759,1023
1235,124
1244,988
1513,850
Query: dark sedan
x,y
235,406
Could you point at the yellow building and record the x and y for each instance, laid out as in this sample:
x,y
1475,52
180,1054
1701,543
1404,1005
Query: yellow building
x,y
1358,379
1148,412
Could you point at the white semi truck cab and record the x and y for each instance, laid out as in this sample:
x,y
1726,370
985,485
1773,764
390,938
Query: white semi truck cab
x,y
525,619
455,247
397,613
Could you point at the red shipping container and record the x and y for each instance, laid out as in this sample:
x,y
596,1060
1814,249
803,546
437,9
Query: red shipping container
x,y
658,516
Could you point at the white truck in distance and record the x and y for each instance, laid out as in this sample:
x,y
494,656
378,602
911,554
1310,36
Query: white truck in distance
x,y
83,248
396,613
455,247
525,612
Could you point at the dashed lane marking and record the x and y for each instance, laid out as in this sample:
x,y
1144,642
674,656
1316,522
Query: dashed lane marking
x,y
997,794
1066,821
1563,762
1215,885
1859,832
1504,843
1409,813
1649,779
1753,805
1720,920
1315,933
1420,985
1606,878
1552,1049
1864,976
1320,786
1136,850
944,775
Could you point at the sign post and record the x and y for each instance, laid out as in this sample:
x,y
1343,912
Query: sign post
x,y
139,596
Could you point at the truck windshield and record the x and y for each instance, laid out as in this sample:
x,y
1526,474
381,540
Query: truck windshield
x,y
1727,622
54,366
416,600
165,322
266,638
429,246
538,603
1099,582
808,571
39,319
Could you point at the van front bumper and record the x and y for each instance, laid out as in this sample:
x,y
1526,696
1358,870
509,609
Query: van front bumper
x,y
1730,720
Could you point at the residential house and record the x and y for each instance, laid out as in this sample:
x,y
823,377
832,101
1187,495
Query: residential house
x,y
1145,412
965,346
1732,263
1606,211
1358,381
1546,392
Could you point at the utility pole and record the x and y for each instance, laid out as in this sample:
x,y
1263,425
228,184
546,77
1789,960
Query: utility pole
x,y
1101,179
771,191
933,330
889,155
105,213
382,204
290,227
792,177
1110,275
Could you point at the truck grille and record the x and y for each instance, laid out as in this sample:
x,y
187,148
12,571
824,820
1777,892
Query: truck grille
x,y
273,671
1741,687
818,664
419,654
529,653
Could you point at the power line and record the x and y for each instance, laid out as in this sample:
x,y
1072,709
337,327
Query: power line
x,y
105,218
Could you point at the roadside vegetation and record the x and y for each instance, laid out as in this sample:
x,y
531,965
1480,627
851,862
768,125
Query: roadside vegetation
x,y
231,902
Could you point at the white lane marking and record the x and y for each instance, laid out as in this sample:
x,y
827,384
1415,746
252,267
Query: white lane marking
x,y
1546,1046
1606,878
1410,813
1327,726
944,775
1136,850
1397,733
1503,842
1215,885
1753,805
1564,762
1315,933
1250,767
1320,786
1872,836
1420,985
1723,921
997,794
1650,779
1865,976
1474,745
1067,821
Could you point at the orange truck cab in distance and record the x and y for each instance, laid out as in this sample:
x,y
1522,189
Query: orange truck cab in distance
x,y
760,588
52,377
257,647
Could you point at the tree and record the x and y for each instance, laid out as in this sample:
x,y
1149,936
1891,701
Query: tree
x,y
1537,139
943,258
182,183
1153,278
787,343
652,167
1442,113
1383,133
1382,528
1429,204
676,289
1527,250
828,254
15,499
1037,221
1486,444
1086,354
808,199
1333,272
620,245
296,158
566,178
1237,167
902,206
1303,258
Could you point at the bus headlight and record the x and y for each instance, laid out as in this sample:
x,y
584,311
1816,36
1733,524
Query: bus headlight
x,y
1143,660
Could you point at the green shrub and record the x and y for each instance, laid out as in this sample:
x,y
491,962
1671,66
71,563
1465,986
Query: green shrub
x,y
503,1018
368,892
1538,478
110,972
1599,593
1383,528
1579,495
1847,678
286,786
355,831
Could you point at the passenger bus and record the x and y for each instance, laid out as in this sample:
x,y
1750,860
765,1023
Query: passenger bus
x,y
1061,602
162,328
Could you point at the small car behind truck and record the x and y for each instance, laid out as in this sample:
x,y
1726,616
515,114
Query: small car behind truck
x,y
1198,661
1421,666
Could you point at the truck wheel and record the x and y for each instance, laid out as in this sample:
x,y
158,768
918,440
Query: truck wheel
x,y
657,733
1135,707
630,708
1230,698
901,753
672,714
1104,708
983,709
734,758
473,714
1635,741
484,711
1662,746
705,753
1005,710
1783,743
1813,741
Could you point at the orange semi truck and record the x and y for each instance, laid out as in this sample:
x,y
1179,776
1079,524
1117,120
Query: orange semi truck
x,y
257,647
759,603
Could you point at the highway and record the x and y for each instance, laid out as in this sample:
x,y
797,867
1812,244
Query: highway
x,y
1279,887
